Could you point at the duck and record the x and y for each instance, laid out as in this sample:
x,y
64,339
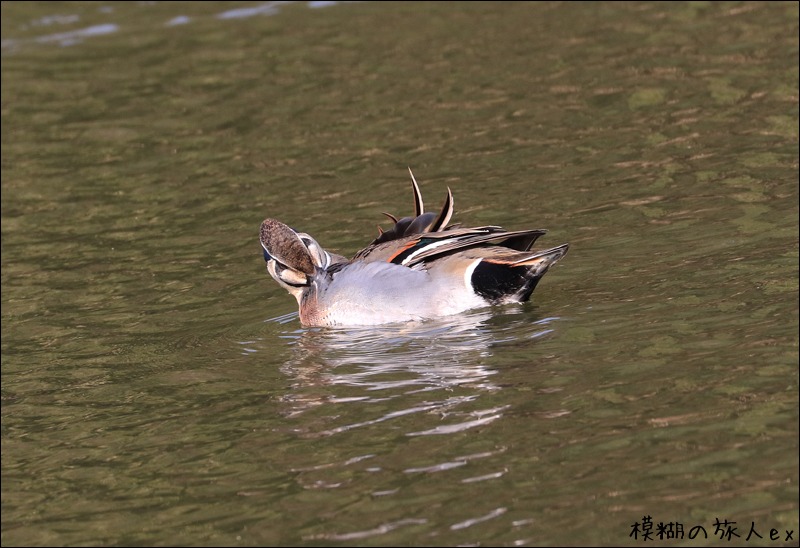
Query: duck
x,y
421,268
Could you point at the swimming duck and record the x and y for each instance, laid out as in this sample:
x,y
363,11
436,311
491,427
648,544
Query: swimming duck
x,y
421,268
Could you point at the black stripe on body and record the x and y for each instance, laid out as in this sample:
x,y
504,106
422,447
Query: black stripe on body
x,y
398,259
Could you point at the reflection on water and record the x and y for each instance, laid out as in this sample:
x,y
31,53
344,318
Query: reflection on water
x,y
433,367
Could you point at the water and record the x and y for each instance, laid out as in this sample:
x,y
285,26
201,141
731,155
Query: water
x,y
158,388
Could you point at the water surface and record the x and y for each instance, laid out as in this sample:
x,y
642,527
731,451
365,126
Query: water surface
x,y
158,388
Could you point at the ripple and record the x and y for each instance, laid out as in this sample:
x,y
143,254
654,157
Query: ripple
x,y
461,426
470,522
76,36
268,8
379,530
284,318
388,416
178,20
73,37
484,477
436,467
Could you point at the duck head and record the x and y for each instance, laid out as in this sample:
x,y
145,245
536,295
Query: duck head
x,y
294,259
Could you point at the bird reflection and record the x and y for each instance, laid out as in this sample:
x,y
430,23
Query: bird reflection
x,y
431,367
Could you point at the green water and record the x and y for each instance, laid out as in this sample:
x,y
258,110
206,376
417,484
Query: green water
x,y
158,389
